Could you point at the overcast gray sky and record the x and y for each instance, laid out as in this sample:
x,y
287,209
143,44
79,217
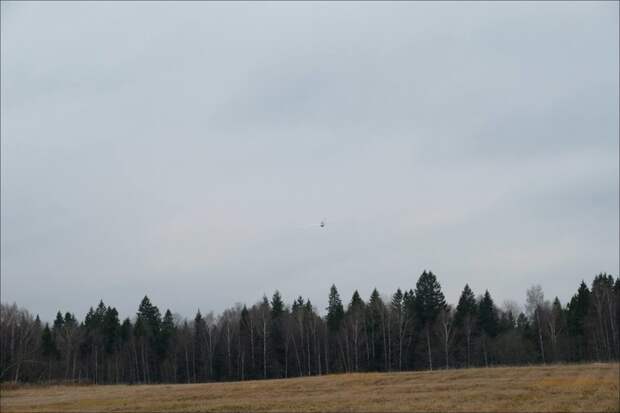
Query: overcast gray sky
x,y
182,150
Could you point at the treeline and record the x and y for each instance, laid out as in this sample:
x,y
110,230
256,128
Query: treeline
x,y
413,329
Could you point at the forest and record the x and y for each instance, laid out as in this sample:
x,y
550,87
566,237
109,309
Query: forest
x,y
412,329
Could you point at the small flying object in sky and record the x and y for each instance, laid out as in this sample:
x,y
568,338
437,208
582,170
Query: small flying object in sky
x,y
321,224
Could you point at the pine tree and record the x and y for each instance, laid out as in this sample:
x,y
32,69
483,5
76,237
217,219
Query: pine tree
x,y
356,303
577,316
100,313
298,305
399,313
487,315
48,344
465,319
411,330
110,330
125,330
245,343
487,322
166,347
466,306
277,305
377,331
278,335
201,367
149,328
49,349
333,346
59,323
125,336
335,311
555,325
429,301
265,321
355,319
151,317
168,330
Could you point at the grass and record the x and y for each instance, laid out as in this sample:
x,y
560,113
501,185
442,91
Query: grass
x,y
556,388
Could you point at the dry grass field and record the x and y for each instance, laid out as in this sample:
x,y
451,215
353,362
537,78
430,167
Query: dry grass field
x,y
559,388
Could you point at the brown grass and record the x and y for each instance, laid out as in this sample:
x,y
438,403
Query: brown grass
x,y
558,388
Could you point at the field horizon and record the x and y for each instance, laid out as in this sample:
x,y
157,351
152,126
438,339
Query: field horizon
x,y
547,388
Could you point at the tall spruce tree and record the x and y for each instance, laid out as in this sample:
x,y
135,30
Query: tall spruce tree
x,y
488,321
355,316
278,335
487,315
150,324
376,324
49,350
335,317
429,301
399,317
577,317
335,310
166,336
245,344
110,329
200,368
465,320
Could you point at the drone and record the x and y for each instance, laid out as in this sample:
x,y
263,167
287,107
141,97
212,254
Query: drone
x,y
320,224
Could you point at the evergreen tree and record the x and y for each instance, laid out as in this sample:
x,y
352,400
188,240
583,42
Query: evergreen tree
x,y
556,324
245,344
355,317
577,316
59,322
377,331
49,351
603,309
487,315
298,305
99,314
111,330
277,305
265,321
166,346
335,311
150,316
168,330
356,304
466,307
465,320
149,326
278,335
409,303
506,322
334,353
125,331
397,301
70,322
399,317
201,363
125,334
429,300
487,323
48,344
